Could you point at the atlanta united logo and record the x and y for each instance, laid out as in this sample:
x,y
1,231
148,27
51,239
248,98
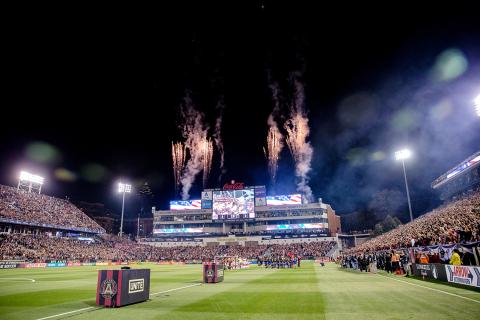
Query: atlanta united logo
x,y
108,289
210,273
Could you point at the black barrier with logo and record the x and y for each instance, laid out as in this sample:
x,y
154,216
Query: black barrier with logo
x,y
116,288
212,273
9,265
466,275
431,270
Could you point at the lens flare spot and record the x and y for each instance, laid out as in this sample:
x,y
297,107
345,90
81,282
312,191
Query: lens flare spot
x,y
43,152
405,119
450,64
378,156
358,110
93,172
356,156
442,110
65,175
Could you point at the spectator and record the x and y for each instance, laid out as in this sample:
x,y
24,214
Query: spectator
x,y
109,247
43,210
455,259
455,222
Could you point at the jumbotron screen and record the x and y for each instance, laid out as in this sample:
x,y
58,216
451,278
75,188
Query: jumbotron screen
x,y
233,204
297,226
178,230
186,205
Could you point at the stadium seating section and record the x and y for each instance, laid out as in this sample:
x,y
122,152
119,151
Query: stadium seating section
x,y
454,222
38,209
42,247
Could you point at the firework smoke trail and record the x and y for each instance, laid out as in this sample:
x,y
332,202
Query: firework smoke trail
x,y
207,147
218,138
274,136
195,133
297,134
178,159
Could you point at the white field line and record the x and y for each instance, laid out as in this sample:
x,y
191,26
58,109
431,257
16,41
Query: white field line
x,y
65,313
83,309
192,285
433,289
19,279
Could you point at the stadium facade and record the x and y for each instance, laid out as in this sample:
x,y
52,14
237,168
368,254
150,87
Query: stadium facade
x,y
462,178
239,214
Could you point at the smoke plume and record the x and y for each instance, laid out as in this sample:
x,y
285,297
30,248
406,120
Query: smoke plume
x,y
194,130
218,138
297,133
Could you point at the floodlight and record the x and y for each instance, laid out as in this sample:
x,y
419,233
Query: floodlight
x,y
403,154
123,187
26,176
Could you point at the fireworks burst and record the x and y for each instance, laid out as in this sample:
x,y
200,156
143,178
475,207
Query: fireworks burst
x,y
297,133
178,159
274,136
272,152
207,148
199,146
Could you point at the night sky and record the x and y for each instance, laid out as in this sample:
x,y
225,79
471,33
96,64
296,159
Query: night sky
x,y
91,97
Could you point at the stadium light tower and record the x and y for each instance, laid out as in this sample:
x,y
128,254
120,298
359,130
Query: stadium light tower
x,y
30,181
123,188
477,105
402,155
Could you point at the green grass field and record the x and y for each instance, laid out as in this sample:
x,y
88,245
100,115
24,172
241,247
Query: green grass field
x,y
311,292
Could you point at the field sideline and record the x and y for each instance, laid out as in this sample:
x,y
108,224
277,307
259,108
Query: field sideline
x,y
311,292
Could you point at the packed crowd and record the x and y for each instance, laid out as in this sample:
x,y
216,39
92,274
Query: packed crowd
x,y
43,247
455,222
390,261
44,210
399,261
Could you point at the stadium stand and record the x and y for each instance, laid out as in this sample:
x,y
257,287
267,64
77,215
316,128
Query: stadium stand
x,y
46,248
454,222
20,207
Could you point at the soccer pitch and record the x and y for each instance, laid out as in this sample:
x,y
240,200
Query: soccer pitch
x,y
311,292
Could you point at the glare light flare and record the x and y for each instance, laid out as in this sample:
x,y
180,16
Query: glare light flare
x,y
124,188
274,146
26,176
403,154
178,158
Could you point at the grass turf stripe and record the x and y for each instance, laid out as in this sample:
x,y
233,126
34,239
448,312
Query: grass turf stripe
x,y
433,289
